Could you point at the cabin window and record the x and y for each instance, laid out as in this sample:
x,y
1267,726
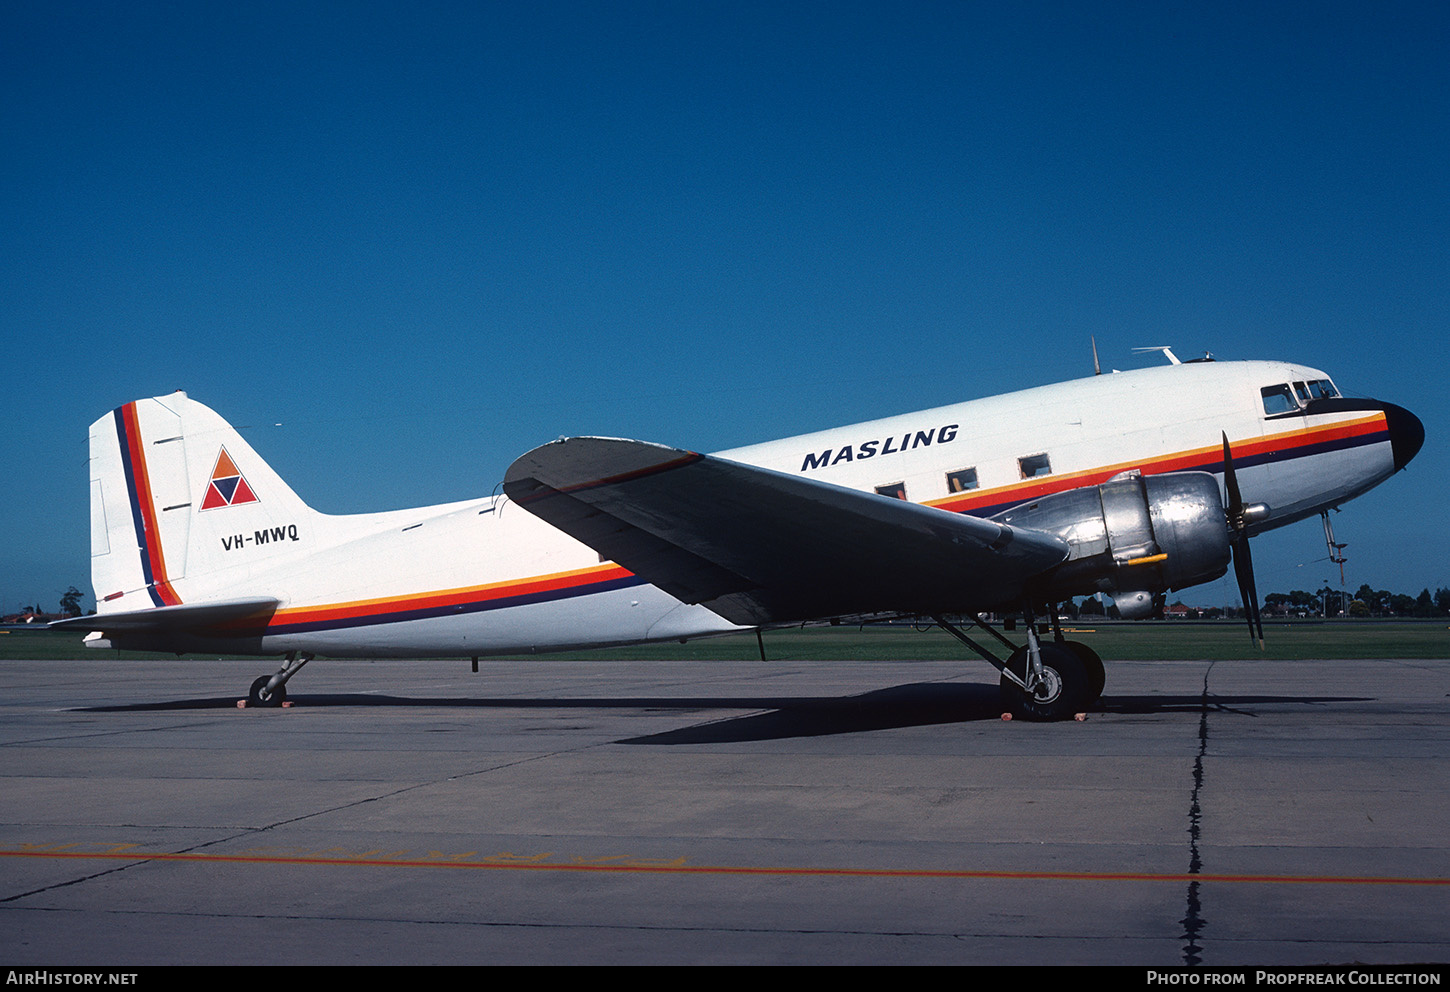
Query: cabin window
x,y
1278,399
962,480
896,490
1034,465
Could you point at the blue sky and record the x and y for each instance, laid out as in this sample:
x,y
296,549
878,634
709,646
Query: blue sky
x,y
423,238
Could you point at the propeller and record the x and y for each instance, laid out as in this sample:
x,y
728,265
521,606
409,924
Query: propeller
x,y
1239,516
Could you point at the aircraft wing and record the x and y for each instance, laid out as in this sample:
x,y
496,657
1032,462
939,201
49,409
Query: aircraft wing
x,y
759,546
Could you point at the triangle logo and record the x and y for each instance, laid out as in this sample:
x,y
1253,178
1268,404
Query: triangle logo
x,y
227,487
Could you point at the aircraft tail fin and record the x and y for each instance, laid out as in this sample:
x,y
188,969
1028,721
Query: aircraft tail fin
x,y
182,508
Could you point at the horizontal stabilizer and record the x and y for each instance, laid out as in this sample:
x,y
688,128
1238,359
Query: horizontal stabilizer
x,y
173,618
758,546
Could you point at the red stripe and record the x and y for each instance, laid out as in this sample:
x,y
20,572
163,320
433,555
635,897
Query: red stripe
x,y
151,540
1184,460
458,597
687,869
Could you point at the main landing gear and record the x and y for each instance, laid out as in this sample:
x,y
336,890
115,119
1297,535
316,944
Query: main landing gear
x,y
1051,681
271,690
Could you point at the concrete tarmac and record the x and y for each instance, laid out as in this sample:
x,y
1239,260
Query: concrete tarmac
x,y
619,812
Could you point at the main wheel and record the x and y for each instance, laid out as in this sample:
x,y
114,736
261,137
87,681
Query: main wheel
x,y
1062,693
277,697
1092,665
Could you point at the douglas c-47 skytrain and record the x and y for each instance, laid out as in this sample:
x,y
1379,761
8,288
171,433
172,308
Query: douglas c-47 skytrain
x,y
1129,484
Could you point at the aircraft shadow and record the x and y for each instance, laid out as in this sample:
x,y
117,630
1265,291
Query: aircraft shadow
x,y
899,706
914,705
927,703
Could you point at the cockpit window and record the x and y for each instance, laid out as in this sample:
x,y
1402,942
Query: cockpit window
x,y
1278,399
1295,397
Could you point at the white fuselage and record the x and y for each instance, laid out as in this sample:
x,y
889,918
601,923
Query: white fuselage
x,y
486,577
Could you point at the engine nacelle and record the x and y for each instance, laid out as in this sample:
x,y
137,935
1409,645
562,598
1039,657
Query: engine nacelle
x,y
1131,537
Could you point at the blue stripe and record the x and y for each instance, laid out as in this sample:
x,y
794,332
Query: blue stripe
x,y
137,520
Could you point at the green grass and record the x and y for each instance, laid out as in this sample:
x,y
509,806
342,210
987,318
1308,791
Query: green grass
x,y
42,645
1163,640
1151,640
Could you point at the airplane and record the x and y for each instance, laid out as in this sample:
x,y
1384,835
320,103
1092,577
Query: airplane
x,y
1130,484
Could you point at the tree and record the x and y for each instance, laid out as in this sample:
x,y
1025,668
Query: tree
x,y
1424,604
70,603
1296,601
1302,599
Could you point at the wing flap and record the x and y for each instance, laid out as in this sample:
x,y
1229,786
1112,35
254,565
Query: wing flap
x,y
759,546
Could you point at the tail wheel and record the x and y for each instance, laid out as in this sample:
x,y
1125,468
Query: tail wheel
x,y
1062,692
276,697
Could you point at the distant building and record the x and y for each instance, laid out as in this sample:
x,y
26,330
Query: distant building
x,y
27,617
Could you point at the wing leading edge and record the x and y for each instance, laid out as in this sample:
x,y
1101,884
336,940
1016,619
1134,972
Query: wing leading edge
x,y
758,546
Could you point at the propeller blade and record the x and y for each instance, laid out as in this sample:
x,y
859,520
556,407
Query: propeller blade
x,y
1243,559
1244,572
1231,483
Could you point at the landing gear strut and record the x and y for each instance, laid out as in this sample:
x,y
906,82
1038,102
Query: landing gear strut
x,y
271,690
1052,681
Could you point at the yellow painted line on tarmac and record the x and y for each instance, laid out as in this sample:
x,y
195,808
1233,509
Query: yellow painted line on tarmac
x,y
505,861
